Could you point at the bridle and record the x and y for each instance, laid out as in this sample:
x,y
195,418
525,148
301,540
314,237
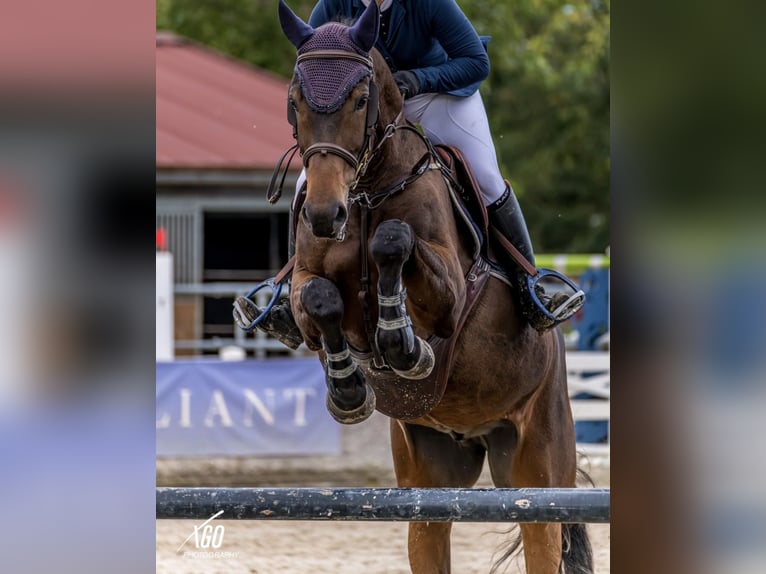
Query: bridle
x,y
361,161
357,162
367,200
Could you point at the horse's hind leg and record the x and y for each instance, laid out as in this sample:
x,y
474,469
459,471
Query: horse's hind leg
x,y
424,457
526,465
406,353
349,399
542,455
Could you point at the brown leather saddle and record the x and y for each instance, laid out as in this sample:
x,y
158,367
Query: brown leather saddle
x,y
465,185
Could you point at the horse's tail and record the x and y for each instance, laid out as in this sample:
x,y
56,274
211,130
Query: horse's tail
x,y
576,553
508,549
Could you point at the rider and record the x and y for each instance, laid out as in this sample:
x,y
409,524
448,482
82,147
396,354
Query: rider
x,y
438,61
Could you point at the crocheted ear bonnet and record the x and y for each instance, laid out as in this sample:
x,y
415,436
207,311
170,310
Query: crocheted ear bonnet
x,y
327,83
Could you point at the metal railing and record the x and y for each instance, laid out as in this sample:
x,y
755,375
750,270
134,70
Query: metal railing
x,y
258,342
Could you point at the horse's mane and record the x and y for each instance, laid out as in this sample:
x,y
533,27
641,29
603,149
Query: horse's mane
x,y
389,92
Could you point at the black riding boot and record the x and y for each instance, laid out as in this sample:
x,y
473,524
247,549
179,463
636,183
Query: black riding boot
x,y
506,217
279,322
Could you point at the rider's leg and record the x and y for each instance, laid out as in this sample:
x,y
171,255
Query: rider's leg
x,y
505,216
462,122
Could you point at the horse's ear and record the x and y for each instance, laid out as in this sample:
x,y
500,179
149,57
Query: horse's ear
x,y
365,31
296,30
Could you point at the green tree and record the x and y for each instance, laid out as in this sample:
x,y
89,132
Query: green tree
x,y
548,102
245,29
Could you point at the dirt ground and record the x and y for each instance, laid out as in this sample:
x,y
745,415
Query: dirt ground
x,y
272,547
335,548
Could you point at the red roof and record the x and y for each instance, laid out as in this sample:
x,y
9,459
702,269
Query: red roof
x,y
214,112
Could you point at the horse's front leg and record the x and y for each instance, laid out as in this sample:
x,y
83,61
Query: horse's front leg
x,y
349,399
407,354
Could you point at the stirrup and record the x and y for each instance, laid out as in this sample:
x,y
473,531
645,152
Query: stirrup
x,y
247,315
563,311
274,319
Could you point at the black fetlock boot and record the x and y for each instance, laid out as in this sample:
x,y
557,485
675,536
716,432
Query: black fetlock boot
x,y
543,311
279,321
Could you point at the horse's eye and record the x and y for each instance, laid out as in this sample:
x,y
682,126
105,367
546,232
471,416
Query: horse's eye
x,y
361,102
291,102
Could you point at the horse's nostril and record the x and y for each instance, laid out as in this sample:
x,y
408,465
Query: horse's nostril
x,y
325,219
342,214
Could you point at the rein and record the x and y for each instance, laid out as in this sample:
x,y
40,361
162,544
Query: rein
x,y
430,160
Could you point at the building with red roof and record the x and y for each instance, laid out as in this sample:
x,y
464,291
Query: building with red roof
x,y
215,113
221,128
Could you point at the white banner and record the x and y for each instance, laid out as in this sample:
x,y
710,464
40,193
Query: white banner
x,y
271,407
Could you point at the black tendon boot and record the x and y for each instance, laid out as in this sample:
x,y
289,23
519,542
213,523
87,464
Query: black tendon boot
x,y
279,322
541,310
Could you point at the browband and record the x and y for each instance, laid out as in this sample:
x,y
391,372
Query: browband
x,y
335,54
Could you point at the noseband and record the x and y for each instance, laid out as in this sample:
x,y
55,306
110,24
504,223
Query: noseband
x,y
357,162
325,148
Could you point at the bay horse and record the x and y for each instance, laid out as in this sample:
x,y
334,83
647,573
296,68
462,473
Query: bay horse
x,y
376,212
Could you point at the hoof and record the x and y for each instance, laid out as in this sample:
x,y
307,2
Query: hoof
x,y
423,367
354,416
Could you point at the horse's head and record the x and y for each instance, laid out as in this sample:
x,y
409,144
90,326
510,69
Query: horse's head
x,y
333,107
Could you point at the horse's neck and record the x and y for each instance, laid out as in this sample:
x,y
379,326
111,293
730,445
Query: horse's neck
x,y
396,158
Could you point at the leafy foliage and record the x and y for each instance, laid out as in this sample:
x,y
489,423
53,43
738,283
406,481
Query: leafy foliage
x,y
245,29
547,96
548,102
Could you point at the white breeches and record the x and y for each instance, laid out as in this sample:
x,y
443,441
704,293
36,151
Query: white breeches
x,y
463,123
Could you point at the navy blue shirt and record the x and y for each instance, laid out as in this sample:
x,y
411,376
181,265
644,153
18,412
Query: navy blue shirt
x,y
431,38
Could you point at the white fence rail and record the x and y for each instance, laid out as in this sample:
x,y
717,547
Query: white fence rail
x,y
588,372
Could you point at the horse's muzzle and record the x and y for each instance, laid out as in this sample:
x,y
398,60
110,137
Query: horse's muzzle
x,y
326,221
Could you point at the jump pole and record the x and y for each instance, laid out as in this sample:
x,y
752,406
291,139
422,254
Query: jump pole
x,y
388,504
